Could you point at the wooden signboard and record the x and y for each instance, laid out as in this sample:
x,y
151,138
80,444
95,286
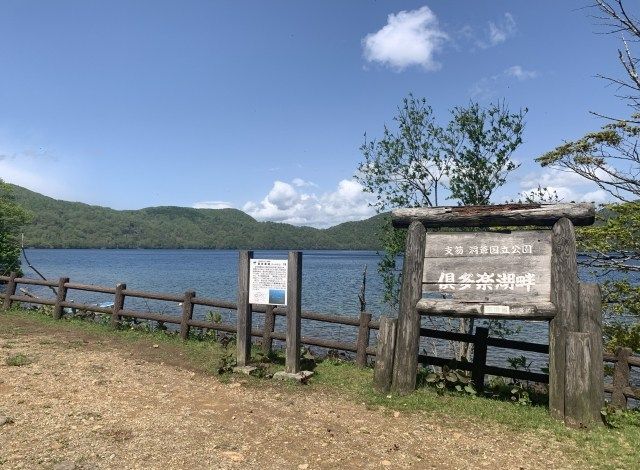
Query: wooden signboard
x,y
488,274
489,266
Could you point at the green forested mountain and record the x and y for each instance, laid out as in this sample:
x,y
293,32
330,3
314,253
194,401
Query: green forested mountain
x,y
62,224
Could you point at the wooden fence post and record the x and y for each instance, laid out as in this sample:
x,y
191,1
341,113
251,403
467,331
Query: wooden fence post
x,y
269,327
580,408
620,377
294,312
243,339
9,291
60,297
118,304
383,370
564,295
187,313
405,363
590,322
364,334
479,358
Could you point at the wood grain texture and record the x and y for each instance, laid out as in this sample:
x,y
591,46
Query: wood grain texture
x,y
9,291
463,309
362,342
383,370
187,313
582,408
501,244
243,341
621,374
590,321
61,296
269,326
118,304
405,365
565,296
496,215
294,311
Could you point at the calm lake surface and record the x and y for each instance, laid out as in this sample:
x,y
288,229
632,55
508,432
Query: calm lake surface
x,y
331,283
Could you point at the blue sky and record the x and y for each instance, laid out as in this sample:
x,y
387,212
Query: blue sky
x,y
262,105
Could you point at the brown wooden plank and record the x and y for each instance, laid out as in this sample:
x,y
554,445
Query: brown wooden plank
x,y
187,313
31,300
383,370
495,215
582,406
462,309
153,295
60,297
90,288
565,296
621,373
364,334
505,245
86,307
269,325
118,303
243,340
36,282
590,322
9,291
294,312
405,366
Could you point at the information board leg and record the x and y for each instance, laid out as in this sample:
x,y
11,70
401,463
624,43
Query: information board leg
x,y
243,340
294,312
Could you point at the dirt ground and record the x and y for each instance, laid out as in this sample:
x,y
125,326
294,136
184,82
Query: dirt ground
x,y
88,401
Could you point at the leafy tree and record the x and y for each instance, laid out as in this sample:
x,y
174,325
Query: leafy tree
x,y
12,217
479,142
610,158
405,168
470,157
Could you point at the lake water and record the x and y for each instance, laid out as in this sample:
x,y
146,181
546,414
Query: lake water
x,y
331,282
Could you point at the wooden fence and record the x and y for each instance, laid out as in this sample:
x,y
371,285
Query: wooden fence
x,y
189,300
620,389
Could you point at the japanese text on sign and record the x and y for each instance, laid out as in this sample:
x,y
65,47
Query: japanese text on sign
x,y
268,282
488,250
486,281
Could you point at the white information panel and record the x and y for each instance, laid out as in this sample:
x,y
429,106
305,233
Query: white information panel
x,y
268,281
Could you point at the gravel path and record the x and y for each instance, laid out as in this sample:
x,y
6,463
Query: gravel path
x,y
88,402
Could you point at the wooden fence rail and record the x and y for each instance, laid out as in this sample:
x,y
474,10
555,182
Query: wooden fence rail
x,y
621,389
189,300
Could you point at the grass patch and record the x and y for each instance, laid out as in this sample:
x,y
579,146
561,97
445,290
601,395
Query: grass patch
x,y
17,360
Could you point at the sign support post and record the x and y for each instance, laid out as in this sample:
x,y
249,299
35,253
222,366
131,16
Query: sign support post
x,y
294,312
243,340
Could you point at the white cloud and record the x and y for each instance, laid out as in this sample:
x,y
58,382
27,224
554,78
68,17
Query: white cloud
x,y
499,32
212,205
409,38
300,183
568,185
285,203
521,74
486,87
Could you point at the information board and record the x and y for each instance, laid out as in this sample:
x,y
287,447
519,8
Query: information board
x,y
268,281
489,266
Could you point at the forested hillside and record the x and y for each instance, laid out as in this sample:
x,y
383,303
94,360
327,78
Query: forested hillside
x,y
62,224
